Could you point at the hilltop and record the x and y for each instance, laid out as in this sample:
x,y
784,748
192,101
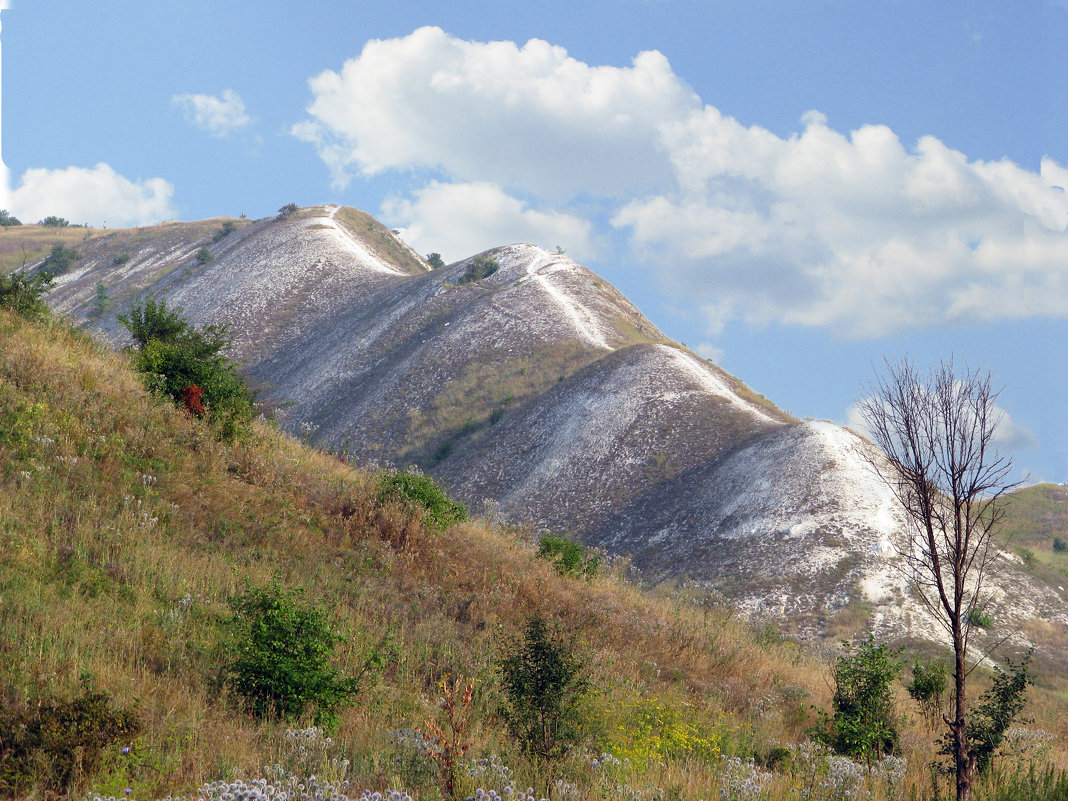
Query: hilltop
x,y
541,396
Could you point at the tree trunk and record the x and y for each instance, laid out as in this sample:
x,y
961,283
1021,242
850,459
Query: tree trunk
x,y
961,758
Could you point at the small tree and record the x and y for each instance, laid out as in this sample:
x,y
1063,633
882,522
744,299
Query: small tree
x,y
60,259
435,261
100,303
927,688
204,256
448,740
8,220
937,431
996,711
54,222
544,683
863,723
288,209
282,657
569,558
24,294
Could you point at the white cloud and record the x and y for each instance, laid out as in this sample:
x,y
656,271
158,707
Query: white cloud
x,y
219,116
458,220
858,232
855,233
531,117
95,196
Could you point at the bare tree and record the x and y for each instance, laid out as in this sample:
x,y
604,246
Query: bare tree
x,y
937,430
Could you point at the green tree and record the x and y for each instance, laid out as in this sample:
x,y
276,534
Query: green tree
x,y
54,222
100,303
482,266
435,261
288,209
283,651
863,723
173,356
8,220
544,684
204,256
927,688
60,259
24,294
996,711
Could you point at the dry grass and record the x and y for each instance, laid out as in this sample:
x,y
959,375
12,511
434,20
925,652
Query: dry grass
x,y
125,527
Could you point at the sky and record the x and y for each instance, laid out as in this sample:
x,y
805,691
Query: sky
x,y
796,190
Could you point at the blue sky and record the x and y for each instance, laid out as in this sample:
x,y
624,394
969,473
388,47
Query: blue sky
x,y
794,189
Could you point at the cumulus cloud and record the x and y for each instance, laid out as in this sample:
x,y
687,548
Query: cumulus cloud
x,y
458,220
219,116
856,232
528,117
95,196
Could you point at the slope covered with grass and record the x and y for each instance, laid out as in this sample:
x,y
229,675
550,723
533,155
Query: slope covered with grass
x,y
126,528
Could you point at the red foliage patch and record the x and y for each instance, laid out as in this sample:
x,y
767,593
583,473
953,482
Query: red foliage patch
x,y
191,398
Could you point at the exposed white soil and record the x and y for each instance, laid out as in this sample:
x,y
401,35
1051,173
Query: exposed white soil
x,y
629,441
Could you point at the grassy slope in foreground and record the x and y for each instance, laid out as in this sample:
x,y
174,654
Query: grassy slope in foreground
x,y
124,528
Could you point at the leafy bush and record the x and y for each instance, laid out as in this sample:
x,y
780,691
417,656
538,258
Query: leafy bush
x,y
288,209
60,259
60,744
204,256
100,302
7,219
927,687
980,618
544,683
435,260
569,558
422,491
121,258
995,713
228,228
54,222
24,294
655,731
863,722
1059,545
283,651
481,266
173,356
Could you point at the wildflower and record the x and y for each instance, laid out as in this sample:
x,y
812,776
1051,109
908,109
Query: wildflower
x,y
126,750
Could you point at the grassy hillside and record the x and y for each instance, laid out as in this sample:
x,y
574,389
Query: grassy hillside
x,y
126,527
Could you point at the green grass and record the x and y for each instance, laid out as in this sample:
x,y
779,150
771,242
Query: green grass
x,y
381,240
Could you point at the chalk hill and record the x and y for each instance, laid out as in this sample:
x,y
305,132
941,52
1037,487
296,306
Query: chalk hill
x,y
538,393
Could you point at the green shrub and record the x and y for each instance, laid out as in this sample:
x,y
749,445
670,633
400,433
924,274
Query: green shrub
x,y
7,219
121,258
228,228
59,745
418,490
24,294
1059,545
100,303
980,618
863,723
481,266
288,209
544,684
59,260
569,558
204,256
927,688
995,713
173,356
54,222
435,261
282,661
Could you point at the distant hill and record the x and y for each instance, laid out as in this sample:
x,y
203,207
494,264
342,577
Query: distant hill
x,y
538,394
